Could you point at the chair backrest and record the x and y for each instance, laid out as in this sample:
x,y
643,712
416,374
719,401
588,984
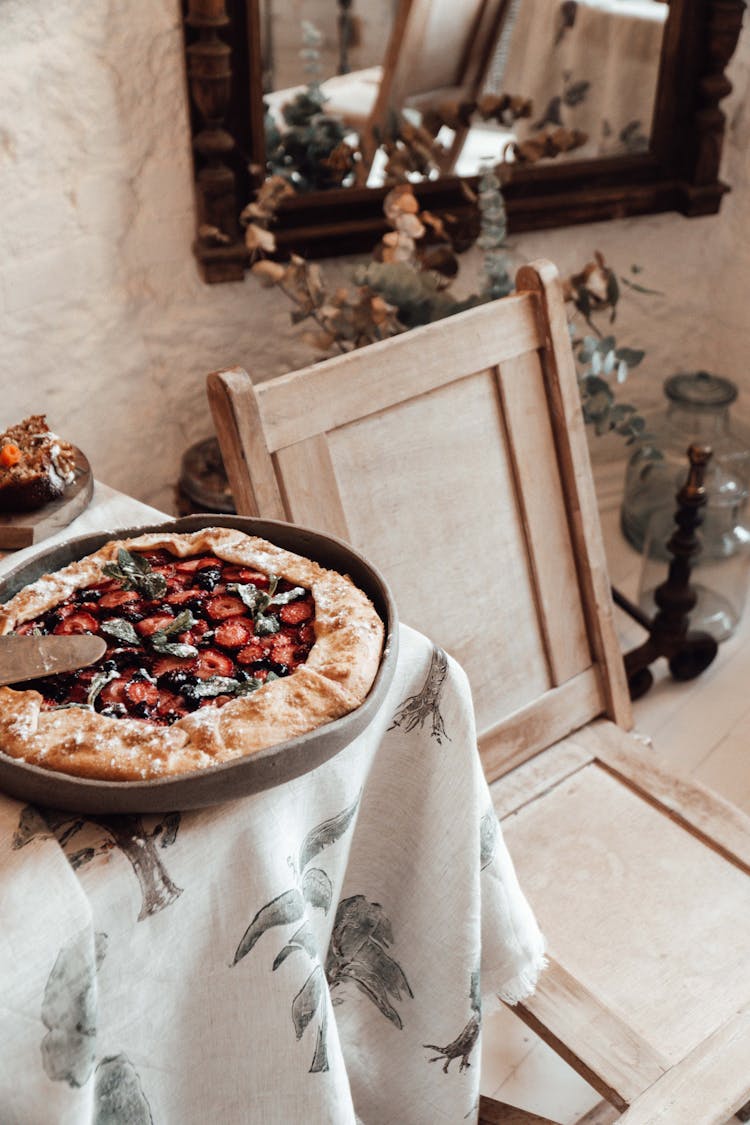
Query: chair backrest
x,y
454,457
436,47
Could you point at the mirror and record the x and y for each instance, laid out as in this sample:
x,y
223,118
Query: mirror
x,y
596,108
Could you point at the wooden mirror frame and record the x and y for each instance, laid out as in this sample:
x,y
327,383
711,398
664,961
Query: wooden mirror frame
x,y
679,172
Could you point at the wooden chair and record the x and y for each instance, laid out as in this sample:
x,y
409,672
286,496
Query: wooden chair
x,y
455,457
438,51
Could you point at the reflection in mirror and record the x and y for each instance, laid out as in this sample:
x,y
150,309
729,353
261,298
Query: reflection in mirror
x,y
416,89
599,109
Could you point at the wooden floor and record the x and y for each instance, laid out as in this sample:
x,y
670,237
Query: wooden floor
x,y
700,728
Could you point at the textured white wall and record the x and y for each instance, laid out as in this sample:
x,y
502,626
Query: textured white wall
x,y
105,324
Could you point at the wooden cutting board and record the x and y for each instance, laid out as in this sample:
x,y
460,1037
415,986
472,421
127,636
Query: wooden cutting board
x,y
22,529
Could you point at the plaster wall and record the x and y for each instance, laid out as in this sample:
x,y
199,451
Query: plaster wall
x,y
104,322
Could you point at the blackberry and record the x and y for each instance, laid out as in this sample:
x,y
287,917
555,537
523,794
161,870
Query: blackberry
x,y
125,658
131,611
192,701
280,669
55,688
90,595
173,681
208,578
141,710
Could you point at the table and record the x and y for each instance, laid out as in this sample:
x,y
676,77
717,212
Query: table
x,y
312,954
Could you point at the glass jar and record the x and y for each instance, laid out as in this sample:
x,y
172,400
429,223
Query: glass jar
x,y
697,411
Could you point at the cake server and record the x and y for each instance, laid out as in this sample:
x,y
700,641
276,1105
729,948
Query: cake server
x,y
29,658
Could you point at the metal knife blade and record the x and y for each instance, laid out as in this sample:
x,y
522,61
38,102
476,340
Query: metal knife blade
x,y
29,658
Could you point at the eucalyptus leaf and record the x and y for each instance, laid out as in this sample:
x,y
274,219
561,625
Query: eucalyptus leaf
x,y
631,356
266,625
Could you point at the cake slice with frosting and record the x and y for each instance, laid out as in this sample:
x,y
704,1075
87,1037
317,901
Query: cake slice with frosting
x,y
36,466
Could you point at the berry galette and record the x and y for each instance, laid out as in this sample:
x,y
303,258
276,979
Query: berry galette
x,y
219,644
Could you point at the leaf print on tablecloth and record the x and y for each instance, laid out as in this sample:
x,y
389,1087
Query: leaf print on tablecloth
x,y
288,907
464,1043
416,709
118,1095
69,1010
314,889
325,834
357,953
124,832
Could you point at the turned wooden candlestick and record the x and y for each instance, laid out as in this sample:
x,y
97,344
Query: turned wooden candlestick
x,y
689,652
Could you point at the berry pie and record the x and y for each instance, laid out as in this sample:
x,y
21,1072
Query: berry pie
x,y
219,644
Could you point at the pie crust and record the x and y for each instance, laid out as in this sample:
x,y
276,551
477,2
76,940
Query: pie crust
x,y
334,680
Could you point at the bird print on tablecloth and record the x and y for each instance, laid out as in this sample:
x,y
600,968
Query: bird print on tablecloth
x,y
466,1040
128,833
425,704
357,951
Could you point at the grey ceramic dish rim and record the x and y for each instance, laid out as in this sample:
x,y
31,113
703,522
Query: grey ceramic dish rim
x,y
252,774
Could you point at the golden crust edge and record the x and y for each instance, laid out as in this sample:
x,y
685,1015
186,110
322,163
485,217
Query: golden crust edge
x,y
346,625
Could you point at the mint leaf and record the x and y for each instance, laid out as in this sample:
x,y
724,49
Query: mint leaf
x,y
134,573
160,640
98,682
288,596
266,626
223,685
121,630
166,647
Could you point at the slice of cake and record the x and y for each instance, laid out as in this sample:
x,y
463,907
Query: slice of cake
x,y
36,466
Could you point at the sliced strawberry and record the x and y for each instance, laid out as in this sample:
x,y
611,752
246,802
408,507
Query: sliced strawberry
x,y
296,612
170,703
89,607
153,624
117,598
234,632
282,650
210,662
224,605
158,557
28,627
77,623
114,691
179,597
195,633
306,634
256,650
171,664
245,574
189,566
142,691
218,701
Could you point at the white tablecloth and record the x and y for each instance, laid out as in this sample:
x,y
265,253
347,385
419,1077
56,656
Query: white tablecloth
x,y
313,954
596,70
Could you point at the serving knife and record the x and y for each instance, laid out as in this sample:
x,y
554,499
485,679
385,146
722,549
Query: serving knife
x,y
30,657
